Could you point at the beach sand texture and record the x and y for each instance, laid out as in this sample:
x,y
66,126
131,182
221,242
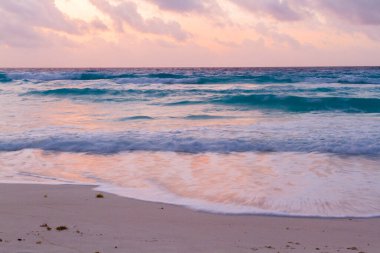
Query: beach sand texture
x,y
31,214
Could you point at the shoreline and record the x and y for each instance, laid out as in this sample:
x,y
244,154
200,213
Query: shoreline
x,y
120,224
99,188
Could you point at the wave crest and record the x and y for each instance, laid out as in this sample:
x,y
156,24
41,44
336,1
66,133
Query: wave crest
x,y
4,78
304,104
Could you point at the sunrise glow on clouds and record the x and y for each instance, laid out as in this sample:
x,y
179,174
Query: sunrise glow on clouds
x,y
138,33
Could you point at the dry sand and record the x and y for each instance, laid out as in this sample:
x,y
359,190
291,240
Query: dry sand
x,y
116,224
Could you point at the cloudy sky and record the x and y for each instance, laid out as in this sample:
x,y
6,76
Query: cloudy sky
x,y
165,33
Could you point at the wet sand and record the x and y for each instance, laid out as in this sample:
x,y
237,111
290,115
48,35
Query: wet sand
x,y
31,214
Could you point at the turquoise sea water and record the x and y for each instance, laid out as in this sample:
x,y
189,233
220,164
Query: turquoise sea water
x,y
288,141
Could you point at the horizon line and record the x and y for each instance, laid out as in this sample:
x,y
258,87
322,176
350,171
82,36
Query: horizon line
x,y
200,67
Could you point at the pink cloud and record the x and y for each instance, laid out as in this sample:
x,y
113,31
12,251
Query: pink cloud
x,y
126,13
185,5
280,10
22,21
362,12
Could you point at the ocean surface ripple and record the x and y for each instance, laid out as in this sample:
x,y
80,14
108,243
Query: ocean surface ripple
x,y
282,141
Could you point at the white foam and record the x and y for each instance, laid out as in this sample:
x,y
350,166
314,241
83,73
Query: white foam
x,y
346,135
296,184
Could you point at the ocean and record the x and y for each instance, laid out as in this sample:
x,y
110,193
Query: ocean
x,y
273,141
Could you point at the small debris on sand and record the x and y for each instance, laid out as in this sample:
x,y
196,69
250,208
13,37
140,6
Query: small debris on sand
x,y
99,196
46,226
61,228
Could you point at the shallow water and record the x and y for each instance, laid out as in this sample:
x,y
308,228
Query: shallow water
x,y
282,141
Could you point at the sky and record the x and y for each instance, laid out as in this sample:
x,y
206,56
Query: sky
x,y
189,33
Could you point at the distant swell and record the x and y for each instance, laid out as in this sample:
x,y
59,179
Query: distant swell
x,y
204,116
69,92
136,118
100,76
367,75
167,75
304,104
251,98
74,92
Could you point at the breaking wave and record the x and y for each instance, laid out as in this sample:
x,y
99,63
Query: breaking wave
x,y
180,141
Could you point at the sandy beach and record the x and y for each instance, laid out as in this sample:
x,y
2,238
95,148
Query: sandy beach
x,y
192,126
31,214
